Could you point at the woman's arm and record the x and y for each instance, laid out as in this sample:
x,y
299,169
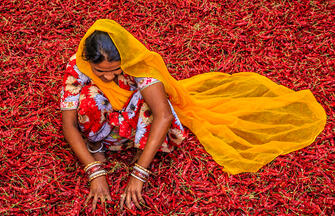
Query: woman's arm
x,y
74,138
99,187
155,96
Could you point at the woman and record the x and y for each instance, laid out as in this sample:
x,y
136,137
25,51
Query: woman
x,y
85,105
115,96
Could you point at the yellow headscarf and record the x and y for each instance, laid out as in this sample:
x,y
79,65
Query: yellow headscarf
x,y
243,120
136,60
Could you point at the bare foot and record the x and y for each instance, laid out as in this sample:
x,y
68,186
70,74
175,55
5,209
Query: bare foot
x,y
99,156
137,156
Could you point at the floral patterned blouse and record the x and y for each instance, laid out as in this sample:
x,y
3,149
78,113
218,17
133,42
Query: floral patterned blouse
x,y
129,127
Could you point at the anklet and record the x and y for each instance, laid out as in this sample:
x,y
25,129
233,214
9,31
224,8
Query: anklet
x,y
95,151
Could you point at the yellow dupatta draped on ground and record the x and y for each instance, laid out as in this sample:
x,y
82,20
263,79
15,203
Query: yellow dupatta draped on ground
x,y
243,120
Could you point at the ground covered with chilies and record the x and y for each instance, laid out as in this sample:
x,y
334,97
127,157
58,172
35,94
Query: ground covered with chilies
x,y
290,42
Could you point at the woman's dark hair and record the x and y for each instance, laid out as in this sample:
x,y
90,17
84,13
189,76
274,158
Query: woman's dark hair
x,y
99,47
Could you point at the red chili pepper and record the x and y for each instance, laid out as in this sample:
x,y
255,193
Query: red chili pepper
x,y
289,42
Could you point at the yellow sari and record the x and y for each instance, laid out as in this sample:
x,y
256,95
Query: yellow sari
x,y
243,120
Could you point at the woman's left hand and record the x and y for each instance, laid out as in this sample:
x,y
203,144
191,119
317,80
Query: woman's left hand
x,y
155,96
132,194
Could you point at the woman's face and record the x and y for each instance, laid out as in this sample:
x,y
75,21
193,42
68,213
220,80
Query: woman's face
x,y
106,70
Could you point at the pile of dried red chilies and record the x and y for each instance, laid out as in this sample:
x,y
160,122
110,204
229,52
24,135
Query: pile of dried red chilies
x,y
291,42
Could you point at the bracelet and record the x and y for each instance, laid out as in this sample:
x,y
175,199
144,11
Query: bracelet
x,y
96,176
97,173
91,164
95,151
139,174
141,171
142,168
93,169
139,178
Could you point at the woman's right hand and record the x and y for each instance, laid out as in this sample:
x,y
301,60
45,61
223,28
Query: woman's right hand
x,y
99,189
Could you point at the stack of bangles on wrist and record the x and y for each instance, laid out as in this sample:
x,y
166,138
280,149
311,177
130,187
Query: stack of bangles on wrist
x,y
140,173
94,170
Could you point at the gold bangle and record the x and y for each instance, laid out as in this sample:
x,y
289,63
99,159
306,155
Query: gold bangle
x,y
142,168
96,176
139,178
90,164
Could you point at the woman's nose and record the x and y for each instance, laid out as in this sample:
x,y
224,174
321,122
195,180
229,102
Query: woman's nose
x,y
109,76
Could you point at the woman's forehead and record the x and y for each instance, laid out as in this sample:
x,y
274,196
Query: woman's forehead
x,y
106,65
